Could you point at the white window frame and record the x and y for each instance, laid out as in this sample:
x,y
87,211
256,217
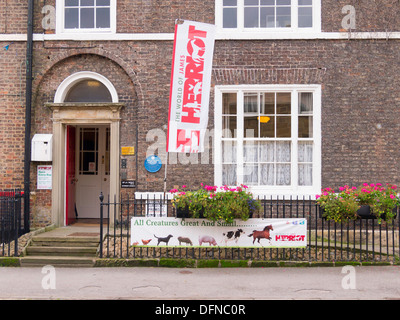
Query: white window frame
x,y
60,29
294,188
255,33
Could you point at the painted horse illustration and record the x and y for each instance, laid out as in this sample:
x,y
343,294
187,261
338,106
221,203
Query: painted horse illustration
x,y
264,234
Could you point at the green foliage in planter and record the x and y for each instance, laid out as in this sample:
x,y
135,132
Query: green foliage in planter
x,y
343,205
339,207
226,204
382,200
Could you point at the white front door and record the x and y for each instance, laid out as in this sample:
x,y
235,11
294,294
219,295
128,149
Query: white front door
x,y
92,169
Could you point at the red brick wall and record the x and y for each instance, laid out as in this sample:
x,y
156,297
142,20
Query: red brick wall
x,y
359,78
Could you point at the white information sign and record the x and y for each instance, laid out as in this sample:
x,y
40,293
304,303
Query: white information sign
x,y
44,177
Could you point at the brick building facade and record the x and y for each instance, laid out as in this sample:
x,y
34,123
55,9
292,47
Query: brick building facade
x,y
324,73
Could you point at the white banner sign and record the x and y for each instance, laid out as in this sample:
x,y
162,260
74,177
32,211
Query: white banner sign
x,y
273,233
190,86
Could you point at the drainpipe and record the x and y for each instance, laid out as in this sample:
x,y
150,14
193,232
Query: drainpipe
x,y
28,107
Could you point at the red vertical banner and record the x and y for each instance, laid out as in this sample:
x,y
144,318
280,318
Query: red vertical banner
x,y
190,86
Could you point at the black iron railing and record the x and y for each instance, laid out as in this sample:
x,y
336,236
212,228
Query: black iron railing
x,y
359,240
12,221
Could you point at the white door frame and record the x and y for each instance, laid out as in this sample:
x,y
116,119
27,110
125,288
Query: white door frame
x,y
82,114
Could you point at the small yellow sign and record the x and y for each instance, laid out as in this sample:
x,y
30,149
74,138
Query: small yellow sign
x,y
128,151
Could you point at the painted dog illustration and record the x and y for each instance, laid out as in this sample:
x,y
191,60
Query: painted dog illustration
x,y
164,239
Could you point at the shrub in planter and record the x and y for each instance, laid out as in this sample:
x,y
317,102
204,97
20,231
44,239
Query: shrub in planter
x,y
189,204
341,206
367,201
382,201
215,203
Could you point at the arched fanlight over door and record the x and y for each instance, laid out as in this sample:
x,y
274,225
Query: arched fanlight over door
x,y
88,90
86,87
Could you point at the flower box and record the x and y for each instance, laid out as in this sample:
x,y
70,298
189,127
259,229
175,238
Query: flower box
x,y
365,202
215,203
365,212
185,213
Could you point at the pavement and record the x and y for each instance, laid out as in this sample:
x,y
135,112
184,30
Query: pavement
x,y
178,284
321,283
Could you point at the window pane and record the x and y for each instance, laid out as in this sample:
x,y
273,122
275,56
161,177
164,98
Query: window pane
x,y
305,175
88,151
305,103
88,163
102,18
267,174
86,3
229,174
305,2
283,2
250,152
251,103
251,17
87,18
251,2
283,174
268,2
267,151
283,17
305,159
283,103
229,103
71,18
251,127
88,91
250,174
230,18
305,127
267,129
269,103
102,2
232,3
89,141
283,127
283,152
229,126
229,152
305,152
69,3
267,17
305,17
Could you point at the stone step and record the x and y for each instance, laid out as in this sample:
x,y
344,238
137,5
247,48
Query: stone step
x,y
60,251
57,261
65,242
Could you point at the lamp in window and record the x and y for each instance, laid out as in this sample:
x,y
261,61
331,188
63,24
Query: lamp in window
x,y
264,119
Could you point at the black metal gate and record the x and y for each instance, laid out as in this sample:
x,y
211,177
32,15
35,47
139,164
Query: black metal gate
x,y
12,222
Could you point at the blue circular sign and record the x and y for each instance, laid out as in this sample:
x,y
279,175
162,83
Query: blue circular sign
x,y
153,164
